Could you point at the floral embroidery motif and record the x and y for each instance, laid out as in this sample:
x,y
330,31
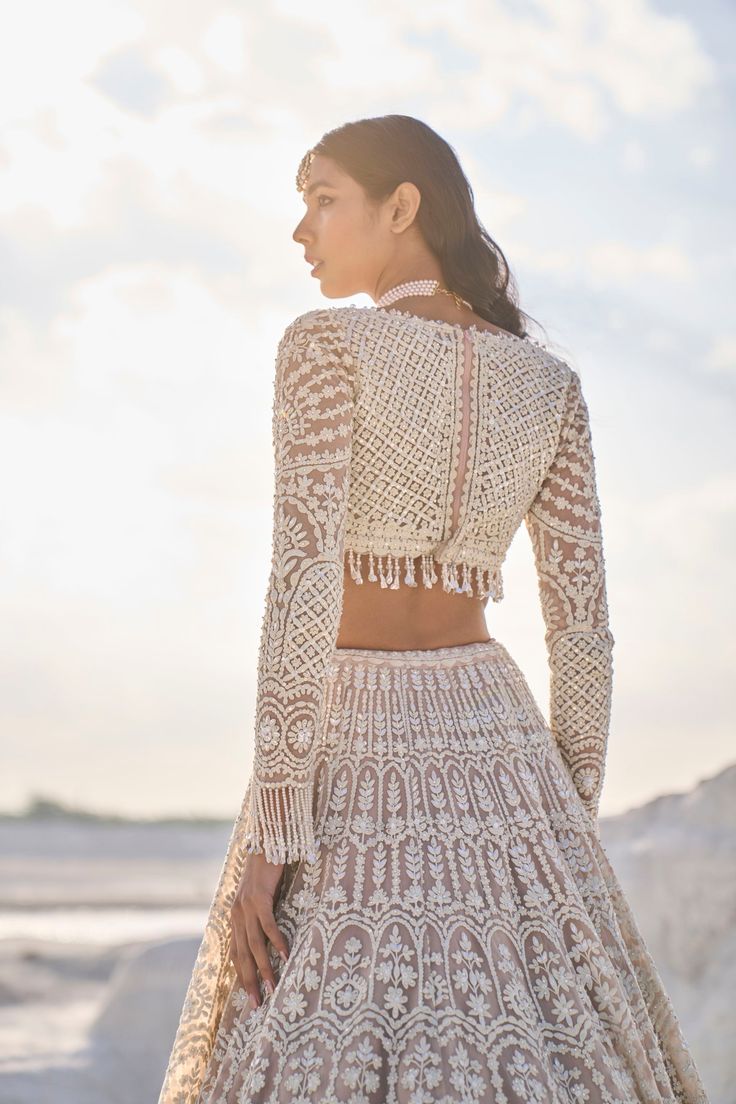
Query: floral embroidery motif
x,y
461,936
457,934
352,453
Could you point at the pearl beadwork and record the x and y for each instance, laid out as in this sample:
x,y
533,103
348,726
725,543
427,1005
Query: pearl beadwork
x,y
418,287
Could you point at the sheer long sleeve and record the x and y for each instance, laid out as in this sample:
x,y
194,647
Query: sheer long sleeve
x,y
312,436
564,523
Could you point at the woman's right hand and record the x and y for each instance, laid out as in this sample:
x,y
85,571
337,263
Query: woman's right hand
x,y
252,922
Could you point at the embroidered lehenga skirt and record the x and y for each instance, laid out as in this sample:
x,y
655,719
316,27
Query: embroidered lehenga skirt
x,y
462,938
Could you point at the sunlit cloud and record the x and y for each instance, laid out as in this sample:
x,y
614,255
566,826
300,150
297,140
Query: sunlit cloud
x,y
147,203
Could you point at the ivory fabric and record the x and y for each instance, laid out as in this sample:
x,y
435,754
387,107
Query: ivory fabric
x,y
396,438
461,937
456,932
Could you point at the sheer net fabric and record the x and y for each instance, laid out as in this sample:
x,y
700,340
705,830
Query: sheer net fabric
x,y
462,937
564,523
312,435
344,407
456,931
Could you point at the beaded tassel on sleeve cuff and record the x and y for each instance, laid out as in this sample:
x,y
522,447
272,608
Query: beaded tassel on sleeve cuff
x,y
281,825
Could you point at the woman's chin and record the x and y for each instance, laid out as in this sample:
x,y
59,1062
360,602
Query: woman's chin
x,y
330,292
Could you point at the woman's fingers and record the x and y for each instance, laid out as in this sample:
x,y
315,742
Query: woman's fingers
x,y
245,965
234,944
252,921
257,945
273,933
235,957
248,949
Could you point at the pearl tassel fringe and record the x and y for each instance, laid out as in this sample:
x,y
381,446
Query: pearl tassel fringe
x,y
455,577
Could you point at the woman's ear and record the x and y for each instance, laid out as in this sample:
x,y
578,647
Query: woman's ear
x,y
405,204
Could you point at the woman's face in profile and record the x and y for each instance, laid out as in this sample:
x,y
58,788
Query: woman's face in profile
x,y
342,231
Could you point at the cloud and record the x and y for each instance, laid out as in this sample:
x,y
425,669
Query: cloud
x,y
130,82
146,209
622,261
721,359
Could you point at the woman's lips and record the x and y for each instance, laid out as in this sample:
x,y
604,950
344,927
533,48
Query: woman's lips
x,y
316,267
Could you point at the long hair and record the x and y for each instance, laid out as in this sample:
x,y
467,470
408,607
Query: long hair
x,y
384,152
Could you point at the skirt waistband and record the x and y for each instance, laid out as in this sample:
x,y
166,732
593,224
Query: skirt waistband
x,y
421,657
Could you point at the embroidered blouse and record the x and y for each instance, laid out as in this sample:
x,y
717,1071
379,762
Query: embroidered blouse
x,y
400,439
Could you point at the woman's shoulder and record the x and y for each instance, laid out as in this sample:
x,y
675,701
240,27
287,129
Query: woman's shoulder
x,y
329,318
344,325
351,322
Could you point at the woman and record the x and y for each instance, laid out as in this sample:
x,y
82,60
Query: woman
x,y
415,904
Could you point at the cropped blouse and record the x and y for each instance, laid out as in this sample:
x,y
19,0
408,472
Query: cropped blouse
x,y
400,439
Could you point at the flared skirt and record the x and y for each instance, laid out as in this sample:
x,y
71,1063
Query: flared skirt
x,y
462,937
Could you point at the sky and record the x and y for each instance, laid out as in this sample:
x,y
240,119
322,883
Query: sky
x,y
148,155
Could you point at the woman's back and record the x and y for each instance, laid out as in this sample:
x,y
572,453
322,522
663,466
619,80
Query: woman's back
x,y
376,463
454,426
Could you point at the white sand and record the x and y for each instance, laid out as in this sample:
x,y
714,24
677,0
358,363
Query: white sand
x,y
90,993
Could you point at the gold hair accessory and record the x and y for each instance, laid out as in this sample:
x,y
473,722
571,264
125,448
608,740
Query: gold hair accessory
x,y
303,171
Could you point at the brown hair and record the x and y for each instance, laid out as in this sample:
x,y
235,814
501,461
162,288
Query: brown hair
x,y
384,152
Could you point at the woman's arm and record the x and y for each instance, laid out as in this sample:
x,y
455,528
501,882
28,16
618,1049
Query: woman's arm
x,y
564,523
312,435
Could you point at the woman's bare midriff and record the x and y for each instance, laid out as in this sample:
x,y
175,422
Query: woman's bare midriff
x,y
414,617
409,617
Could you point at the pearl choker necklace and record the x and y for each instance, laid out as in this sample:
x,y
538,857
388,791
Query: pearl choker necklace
x,y
418,287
